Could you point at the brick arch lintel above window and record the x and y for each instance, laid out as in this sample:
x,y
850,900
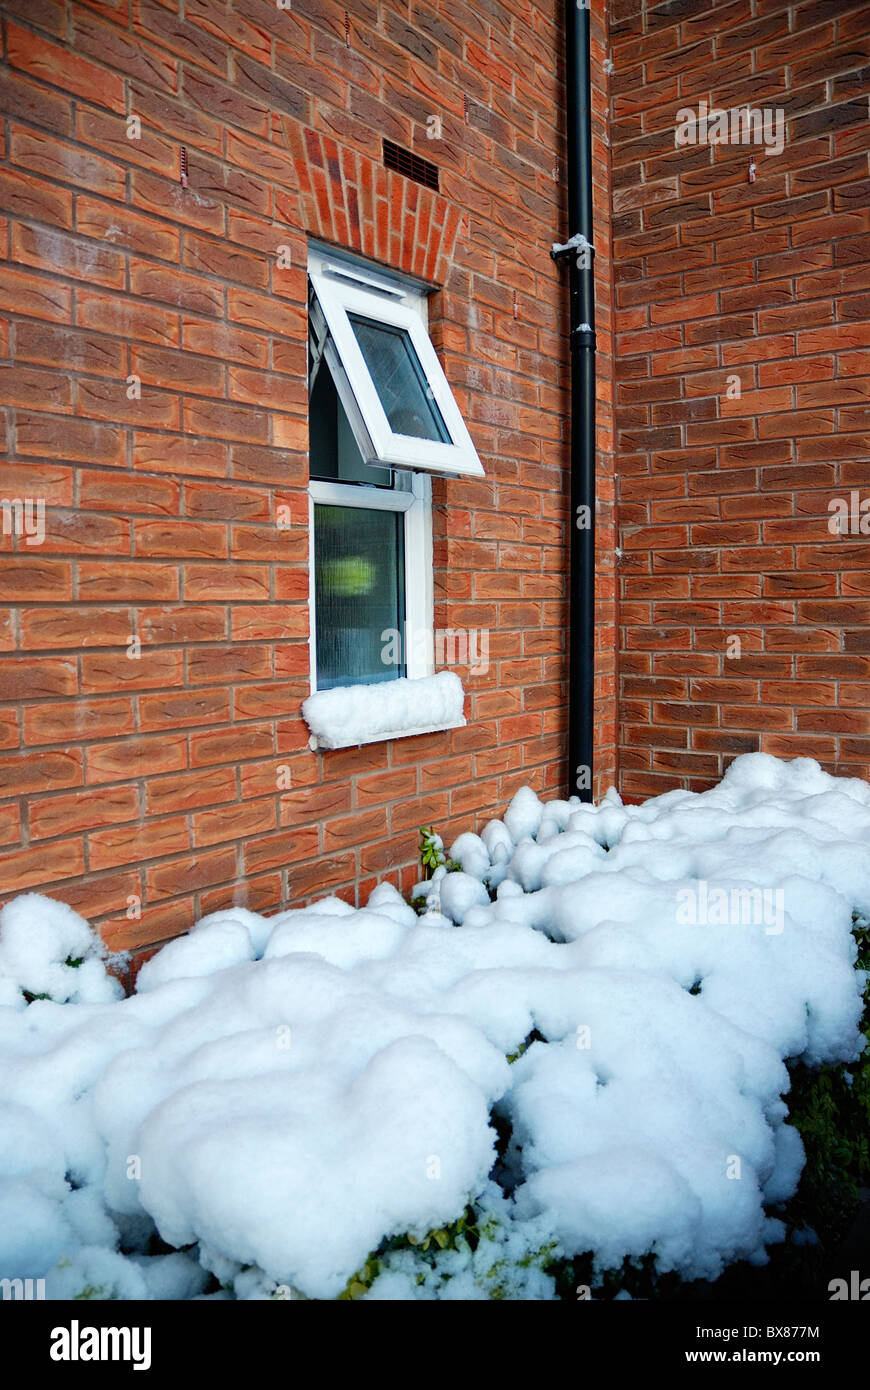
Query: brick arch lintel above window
x,y
351,200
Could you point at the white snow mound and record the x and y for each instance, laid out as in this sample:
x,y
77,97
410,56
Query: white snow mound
x,y
283,1094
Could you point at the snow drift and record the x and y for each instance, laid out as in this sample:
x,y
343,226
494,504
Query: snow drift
x,y
282,1094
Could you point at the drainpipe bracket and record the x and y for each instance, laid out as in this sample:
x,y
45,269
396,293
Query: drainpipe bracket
x,y
583,336
578,242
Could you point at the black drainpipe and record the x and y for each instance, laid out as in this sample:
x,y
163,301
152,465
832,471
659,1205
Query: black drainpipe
x,y
579,253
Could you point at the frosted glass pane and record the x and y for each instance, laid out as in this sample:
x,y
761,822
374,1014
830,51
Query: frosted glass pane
x,y
399,379
359,592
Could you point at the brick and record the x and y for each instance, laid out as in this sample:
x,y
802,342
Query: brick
x,y
187,373
226,502
269,622
71,721
70,626
27,196
133,58
108,671
74,258
224,341
9,728
262,893
137,582
229,664
41,866
230,582
105,893
40,772
165,27
37,296
223,421
112,492
128,230
211,257
290,846
72,533
50,481
143,936
131,757
260,312
166,198
32,386
232,106
52,345
197,539
36,679
248,741
388,787
182,709
60,67
10,825
187,790
111,314
133,844
262,701
331,872
77,811
67,163
179,455
27,577
35,104
183,623
236,823
314,802
175,287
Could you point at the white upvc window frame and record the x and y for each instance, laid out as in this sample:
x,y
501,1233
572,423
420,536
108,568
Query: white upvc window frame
x,y
342,287
415,502
342,284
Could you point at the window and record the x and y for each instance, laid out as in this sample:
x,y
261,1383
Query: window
x,y
382,419
372,331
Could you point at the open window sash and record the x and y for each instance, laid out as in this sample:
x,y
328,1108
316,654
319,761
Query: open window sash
x,y
375,341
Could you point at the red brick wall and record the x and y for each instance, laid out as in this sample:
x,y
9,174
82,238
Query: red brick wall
x,y
157,778
724,501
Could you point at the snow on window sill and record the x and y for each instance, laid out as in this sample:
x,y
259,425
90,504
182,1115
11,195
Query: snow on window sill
x,y
356,714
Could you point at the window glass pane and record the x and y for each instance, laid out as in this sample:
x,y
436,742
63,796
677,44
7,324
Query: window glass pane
x,y
399,379
332,449
359,572
323,427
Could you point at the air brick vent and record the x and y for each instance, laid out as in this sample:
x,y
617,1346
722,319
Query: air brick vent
x,y
411,165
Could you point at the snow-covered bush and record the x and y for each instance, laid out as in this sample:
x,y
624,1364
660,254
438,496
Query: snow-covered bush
x,y
47,951
488,1254
831,1107
575,1058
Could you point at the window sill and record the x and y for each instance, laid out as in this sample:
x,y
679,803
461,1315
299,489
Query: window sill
x,y
320,743
350,716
